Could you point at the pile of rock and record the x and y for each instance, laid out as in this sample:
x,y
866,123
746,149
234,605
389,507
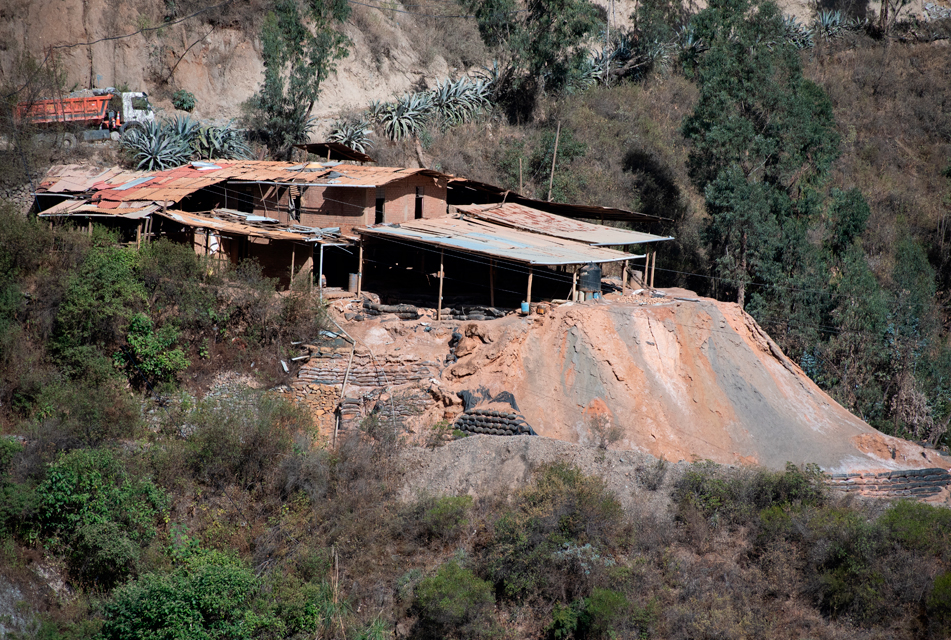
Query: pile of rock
x,y
492,422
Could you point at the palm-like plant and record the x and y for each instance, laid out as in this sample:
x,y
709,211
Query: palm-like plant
x,y
801,36
155,146
220,141
353,133
407,116
829,24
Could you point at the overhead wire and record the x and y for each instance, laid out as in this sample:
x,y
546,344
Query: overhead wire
x,y
58,47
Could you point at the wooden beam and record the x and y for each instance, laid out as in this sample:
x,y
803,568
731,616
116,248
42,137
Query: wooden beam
x,y
624,279
320,276
360,269
554,156
293,256
439,301
529,294
138,234
574,286
491,282
653,267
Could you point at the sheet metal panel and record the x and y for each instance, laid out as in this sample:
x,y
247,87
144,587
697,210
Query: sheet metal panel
x,y
519,216
485,238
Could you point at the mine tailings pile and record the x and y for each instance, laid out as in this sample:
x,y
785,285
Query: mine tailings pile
x,y
683,379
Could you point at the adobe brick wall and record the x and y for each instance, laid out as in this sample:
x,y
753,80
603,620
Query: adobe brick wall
x,y
350,207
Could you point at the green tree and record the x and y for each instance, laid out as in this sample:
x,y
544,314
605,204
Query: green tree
x,y
762,135
538,48
300,44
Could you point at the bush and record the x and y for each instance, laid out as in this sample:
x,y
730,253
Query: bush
x,y
208,596
454,603
100,299
440,518
149,357
555,538
737,497
183,100
919,527
243,438
89,508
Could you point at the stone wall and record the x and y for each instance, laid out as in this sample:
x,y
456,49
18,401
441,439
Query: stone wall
x,y
20,195
367,372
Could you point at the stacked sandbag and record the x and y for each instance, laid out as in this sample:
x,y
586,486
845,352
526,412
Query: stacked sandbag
x,y
401,311
494,423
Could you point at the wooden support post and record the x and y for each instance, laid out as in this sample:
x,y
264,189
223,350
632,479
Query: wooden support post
x,y
320,275
138,235
528,297
439,301
653,267
293,256
360,269
574,286
89,227
491,282
624,279
554,156
207,239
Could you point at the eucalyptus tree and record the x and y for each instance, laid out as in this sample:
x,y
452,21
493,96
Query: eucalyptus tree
x,y
763,136
300,43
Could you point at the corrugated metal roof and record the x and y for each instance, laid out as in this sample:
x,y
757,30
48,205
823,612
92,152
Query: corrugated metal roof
x,y
173,185
465,191
217,223
74,178
519,216
82,208
488,239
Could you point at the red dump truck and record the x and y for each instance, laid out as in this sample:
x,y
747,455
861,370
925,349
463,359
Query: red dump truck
x,y
90,111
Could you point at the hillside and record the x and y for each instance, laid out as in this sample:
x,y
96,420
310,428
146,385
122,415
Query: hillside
x,y
757,449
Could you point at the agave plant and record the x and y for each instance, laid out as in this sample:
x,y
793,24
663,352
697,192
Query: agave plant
x,y
220,141
407,116
182,127
829,24
798,34
156,146
353,133
458,101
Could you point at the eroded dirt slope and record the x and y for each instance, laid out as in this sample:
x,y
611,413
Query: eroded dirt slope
x,y
684,379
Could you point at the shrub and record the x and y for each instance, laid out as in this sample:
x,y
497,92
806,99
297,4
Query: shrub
x,y
440,518
736,497
183,100
918,527
149,356
939,604
454,603
554,539
101,297
90,508
243,438
208,596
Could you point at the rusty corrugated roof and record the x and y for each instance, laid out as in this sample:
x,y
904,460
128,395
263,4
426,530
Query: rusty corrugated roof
x,y
519,216
497,241
465,191
217,223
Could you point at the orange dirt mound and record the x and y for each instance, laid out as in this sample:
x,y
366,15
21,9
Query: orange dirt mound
x,y
683,379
